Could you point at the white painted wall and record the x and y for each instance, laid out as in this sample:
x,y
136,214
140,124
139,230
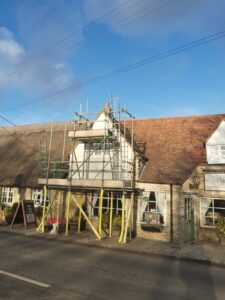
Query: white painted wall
x,y
94,165
215,146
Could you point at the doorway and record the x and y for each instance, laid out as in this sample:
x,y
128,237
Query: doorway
x,y
189,222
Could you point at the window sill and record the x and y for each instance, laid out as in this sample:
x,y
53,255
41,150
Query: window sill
x,y
208,227
140,223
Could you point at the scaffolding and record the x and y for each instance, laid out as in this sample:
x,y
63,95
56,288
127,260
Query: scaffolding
x,y
101,161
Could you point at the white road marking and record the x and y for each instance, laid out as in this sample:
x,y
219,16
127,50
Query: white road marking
x,y
25,279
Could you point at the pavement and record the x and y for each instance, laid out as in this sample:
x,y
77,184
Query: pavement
x,y
207,252
49,268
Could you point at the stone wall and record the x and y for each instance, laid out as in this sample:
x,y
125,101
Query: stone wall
x,y
165,235
194,186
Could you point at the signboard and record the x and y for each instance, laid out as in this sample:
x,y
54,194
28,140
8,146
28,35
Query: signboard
x,y
29,211
215,182
27,207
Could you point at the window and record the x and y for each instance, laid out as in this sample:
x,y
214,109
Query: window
x,y
38,198
153,207
210,210
98,149
7,195
222,151
117,203
216,153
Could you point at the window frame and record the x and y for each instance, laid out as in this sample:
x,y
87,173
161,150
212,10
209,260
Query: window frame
x,y
35,194
116,209
7,194
164,215
213,211
216,153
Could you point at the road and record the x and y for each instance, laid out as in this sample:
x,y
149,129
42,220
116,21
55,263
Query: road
x,y
82,272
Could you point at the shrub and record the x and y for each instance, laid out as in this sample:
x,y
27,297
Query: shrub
x,y
117,222
105,220
220,226
8,210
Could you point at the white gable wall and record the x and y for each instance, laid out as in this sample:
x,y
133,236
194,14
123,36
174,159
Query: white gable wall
x,y
92,167
215,146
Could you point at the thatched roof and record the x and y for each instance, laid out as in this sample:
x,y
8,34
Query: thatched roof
x,y
20,151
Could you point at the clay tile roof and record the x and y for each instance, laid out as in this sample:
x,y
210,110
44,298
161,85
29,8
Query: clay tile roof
x,y
174,146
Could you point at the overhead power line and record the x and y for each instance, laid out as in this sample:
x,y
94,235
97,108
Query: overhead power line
x,y
34,66
71,35
116,72
7,120
60,44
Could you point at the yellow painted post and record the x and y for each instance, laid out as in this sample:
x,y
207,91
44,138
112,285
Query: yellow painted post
x,y
68,212
111,215
79,219
46,213
43,212
86,218
131,216
100,212
58,207
122,219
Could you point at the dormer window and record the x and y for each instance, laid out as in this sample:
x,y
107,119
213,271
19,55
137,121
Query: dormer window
x,y
216,154
215,146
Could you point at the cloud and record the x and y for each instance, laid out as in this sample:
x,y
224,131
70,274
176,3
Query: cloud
x,y
28,67
10,50
158,18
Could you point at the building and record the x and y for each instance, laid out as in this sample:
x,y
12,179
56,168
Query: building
x,y
165,177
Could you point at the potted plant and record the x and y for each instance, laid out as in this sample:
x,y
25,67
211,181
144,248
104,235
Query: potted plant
x,y
220,229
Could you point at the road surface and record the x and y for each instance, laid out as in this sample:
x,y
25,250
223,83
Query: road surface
x,y
51,269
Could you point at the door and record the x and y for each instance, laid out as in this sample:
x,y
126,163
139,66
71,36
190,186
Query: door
x,y
189,223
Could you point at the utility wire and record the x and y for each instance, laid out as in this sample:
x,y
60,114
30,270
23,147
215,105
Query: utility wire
x,y
32,68
116,72
7,120
61,43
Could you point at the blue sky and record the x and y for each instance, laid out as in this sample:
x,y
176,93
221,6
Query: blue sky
x,y
190,83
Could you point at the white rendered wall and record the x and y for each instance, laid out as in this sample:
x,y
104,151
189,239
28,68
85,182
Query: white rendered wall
x,y
215,146
92,167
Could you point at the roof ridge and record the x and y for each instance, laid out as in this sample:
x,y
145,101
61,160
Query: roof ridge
x,y
181,117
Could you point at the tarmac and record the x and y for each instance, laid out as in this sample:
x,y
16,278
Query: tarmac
x,y
207,252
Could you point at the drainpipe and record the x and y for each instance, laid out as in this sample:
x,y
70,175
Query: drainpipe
x,y
171,213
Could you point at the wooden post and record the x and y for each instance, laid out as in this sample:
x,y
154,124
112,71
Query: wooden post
x,y
43,213
100,212
86,217
111,215
79,219
68,212
122,219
